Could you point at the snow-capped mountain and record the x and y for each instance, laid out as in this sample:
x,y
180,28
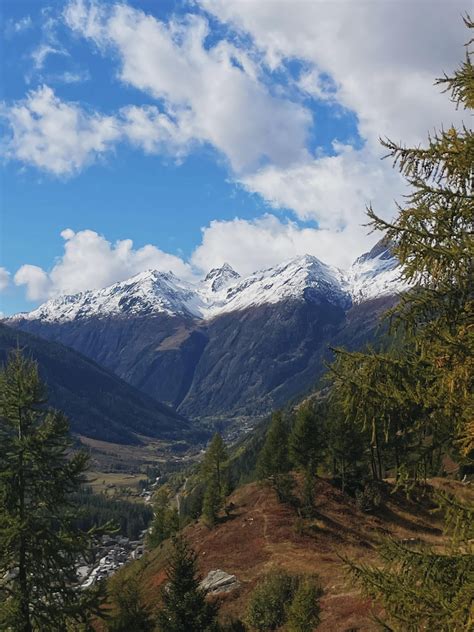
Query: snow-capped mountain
x,y
373,274
376,273
224,346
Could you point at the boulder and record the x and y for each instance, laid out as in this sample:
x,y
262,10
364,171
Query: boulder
x,y
219,582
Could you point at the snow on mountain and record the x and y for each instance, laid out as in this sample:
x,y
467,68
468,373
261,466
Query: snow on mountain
x,y
217,279
146,293
296,278
374,274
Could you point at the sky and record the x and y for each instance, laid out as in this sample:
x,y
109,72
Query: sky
x,y
181,135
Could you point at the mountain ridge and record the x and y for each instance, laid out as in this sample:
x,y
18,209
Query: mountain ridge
x,y
241,348
223,290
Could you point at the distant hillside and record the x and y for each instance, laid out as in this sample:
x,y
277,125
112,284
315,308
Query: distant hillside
x,y
98,403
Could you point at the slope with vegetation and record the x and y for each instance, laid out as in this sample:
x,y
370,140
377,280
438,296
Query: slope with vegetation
x,y
98,403
390,420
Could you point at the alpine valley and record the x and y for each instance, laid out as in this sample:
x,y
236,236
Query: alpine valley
x,y
225,347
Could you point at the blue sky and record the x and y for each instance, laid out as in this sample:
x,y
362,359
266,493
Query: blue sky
x,y
203,132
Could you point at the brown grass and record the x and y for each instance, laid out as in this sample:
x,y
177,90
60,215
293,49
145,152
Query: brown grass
x,y
262,534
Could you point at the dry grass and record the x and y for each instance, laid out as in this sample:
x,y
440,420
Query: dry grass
x,y
262,534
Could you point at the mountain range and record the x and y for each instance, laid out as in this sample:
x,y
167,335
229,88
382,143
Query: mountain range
x,y
226,346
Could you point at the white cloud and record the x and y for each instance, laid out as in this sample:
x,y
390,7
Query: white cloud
x,y
249,245
212,91
4,279
62,137
333,190
36,281
382,56
56,136
90,261
154,132
43,51
72,77
15,27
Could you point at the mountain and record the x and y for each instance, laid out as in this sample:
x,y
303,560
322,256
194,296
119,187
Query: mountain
x,y
98,403
226,346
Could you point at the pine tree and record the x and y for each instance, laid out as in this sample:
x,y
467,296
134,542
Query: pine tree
x,y
130,613
274,463
432,237
166,519
306,441
39,545
184,602
273,458
214,478
423,589
346,447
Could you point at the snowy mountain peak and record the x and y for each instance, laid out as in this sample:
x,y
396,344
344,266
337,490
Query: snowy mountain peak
x,y
217,278
377,273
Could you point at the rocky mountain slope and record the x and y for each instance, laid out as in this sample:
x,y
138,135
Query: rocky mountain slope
x,y
226,346
98,403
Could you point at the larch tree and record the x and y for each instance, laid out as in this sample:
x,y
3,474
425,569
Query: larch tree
x,y
425,589
214,477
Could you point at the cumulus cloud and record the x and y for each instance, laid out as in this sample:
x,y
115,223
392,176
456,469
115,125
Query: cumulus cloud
x,y
89,261
249,245
35,280
211,91
382,57
56,136
4,279
332,190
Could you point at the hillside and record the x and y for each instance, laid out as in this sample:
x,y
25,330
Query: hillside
x,y
262,534
98,403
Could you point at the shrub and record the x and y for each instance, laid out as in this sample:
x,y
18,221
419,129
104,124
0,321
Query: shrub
x,y
304,610
267,606
369,498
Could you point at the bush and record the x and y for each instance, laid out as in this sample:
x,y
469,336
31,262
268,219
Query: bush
x,y
267,606
282,598
304,610
369,498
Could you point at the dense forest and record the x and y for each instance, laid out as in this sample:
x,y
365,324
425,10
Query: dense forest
x,y
127,518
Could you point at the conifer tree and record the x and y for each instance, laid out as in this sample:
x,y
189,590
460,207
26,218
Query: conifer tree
x,y
432,237
304,611
184,602
306,441
273,458
39,546
346,447
214,478
273,462
424,589
166,519
130,613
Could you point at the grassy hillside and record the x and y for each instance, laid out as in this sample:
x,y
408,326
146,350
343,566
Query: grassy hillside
x,y
262,534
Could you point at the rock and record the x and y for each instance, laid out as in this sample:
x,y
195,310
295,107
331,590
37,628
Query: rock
x,y
219,582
